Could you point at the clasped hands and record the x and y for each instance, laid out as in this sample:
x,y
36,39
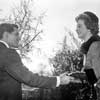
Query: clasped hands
x,y
66,79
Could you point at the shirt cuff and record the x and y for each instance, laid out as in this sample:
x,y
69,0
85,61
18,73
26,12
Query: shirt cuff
x,y
58,81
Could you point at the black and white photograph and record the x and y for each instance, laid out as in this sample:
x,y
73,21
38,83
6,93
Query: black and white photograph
x,y
49,50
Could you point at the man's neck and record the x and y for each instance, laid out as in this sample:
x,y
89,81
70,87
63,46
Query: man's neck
x,y
5,43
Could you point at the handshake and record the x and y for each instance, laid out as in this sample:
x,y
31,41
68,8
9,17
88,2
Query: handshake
x,y
66,79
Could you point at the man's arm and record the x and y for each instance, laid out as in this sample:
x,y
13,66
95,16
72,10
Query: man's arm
x,y
15,69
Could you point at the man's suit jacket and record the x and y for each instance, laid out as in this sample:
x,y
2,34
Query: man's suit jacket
x,y
13,73
93,58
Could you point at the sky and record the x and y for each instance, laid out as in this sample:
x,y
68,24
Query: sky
x,y
59,14
62,13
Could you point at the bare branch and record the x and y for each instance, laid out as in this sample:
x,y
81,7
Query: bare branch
x,y
33,38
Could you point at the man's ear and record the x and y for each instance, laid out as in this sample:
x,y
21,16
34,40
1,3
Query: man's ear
x,y
5,35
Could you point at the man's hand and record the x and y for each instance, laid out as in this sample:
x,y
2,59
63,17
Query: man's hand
x,y
65,79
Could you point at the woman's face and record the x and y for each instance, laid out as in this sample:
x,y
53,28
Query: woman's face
x,y
81,29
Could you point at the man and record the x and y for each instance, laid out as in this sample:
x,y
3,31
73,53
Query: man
x,y
88,29
12,71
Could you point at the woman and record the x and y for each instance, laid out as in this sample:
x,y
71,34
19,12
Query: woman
x,y
87,30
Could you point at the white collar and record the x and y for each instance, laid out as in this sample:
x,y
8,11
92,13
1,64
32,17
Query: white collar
x,y
4,43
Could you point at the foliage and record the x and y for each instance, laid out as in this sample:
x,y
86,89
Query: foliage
x,y
67,61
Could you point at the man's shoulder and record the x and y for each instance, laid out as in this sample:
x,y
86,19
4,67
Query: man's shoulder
x,y
12,53
7,51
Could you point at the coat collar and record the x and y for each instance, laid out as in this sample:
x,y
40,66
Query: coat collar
x,y
4,43
85,46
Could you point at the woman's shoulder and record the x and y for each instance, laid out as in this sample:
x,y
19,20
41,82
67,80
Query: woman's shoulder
x,y
94,48
95,44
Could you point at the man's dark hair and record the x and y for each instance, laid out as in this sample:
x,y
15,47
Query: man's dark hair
x,y
91,21
7,27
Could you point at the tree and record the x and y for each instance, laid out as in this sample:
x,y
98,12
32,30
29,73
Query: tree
x,y
29,25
